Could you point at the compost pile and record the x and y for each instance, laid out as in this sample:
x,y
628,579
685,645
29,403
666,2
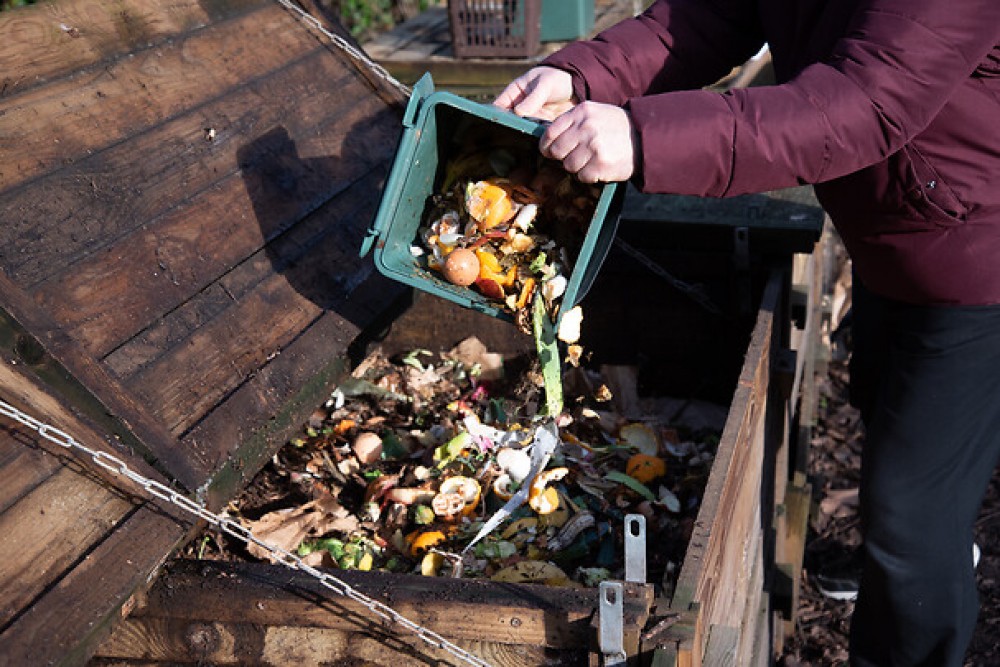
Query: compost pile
x,y
402,468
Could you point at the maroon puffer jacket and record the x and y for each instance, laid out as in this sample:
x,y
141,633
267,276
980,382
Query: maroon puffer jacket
x,y
890,107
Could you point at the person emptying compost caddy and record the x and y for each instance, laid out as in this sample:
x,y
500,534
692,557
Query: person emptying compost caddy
x,y
891,108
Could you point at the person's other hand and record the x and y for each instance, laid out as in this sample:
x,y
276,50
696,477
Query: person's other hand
x,y
597,142
541,92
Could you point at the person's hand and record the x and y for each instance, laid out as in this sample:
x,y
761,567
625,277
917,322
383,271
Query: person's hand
x,y
541,92
597,142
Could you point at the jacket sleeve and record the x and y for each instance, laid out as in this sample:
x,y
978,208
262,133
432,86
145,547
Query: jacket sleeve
x,y
674,45
882,83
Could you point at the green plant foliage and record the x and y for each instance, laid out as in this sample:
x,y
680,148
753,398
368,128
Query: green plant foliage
x,y
364,17
10,4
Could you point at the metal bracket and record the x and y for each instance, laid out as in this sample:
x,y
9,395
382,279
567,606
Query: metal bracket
x,y
611,615
635,548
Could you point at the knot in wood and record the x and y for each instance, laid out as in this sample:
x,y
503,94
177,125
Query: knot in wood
x,y
202,638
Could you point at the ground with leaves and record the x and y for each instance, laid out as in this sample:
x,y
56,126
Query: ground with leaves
x,y
823,624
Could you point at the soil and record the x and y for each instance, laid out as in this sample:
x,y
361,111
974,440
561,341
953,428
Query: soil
x,y
823,624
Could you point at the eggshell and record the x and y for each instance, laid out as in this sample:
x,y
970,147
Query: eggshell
x,y
461,267
514,462
367,447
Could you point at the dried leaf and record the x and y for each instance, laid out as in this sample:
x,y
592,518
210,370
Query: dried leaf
x,y
287,528
840,502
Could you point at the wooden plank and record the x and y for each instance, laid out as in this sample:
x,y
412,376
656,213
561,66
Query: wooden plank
x,y
159,641
45,374
64,625
460,609
295,255
754,640
109,297
238,436
722,649
105,196
785,221
41,128
223,353
59,38
430,26
806,390
458,75
436,322
434,41
505,624
45,533
787,576
24,466
270,406
297,258
727,530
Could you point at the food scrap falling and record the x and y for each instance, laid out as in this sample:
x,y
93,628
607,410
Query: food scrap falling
x,y
507,226
412,457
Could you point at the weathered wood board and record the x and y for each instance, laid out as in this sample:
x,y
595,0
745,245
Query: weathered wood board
x,y
183,192
74,547
720,589
184,210
267,615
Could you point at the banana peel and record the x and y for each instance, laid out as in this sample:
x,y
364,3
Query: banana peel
x,y
558,517
524,526
532,572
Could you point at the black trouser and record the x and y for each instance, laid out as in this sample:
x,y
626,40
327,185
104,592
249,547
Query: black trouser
x,y
927,382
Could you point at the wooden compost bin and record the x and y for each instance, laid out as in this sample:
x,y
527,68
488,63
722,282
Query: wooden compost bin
x,y
729,603
183,189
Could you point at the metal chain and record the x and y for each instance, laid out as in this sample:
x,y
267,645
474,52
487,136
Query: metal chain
x,y
234,529
357,55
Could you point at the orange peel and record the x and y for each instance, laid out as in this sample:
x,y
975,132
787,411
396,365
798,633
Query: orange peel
x,y
640,436
526,291
541,497
488,204
490,269
419,541
645,468
457,496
